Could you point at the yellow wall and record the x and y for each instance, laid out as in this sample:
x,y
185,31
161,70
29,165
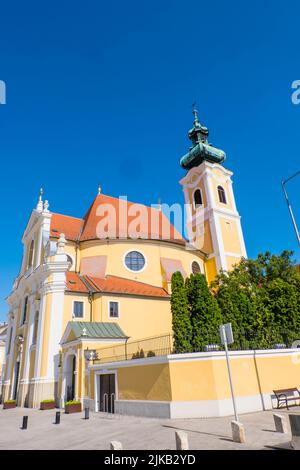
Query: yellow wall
x,y
134,384
139,317
210,269
206,378
153,251
230,236
231,261
46,334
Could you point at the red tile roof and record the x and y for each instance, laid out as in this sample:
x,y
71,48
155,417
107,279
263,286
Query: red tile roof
x,y
149,223
70,226
75,284
113,285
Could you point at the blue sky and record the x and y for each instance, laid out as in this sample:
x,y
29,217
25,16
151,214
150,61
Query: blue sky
x,y
102,92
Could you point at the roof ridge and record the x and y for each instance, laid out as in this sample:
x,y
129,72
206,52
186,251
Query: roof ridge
x,y
90,280
70,216
133,280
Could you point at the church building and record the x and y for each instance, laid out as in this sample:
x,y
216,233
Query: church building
x,y
83,287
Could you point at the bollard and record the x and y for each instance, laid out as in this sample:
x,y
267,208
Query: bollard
x,y
280,423
116,445
238,432
25,422
295,430
57,417
182,442
86,413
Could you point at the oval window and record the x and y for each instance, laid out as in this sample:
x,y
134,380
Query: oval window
x,y
135,261
196,268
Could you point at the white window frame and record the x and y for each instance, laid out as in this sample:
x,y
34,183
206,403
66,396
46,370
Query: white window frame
x,y
97,385
220,185
83,312
117,302
193,197
131,270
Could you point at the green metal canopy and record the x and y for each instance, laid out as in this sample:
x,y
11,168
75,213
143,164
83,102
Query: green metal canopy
x,y
96,330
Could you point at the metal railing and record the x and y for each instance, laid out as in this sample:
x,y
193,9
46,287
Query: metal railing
x,y
208,341
147,347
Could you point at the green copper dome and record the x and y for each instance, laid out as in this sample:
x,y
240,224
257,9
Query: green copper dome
x,y
201,150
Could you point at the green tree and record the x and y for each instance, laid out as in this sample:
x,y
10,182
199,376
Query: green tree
x,y
261,298
182,329
205,313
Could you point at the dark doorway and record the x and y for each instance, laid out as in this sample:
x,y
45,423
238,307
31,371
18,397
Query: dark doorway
x,y
16,383
70,378
107,393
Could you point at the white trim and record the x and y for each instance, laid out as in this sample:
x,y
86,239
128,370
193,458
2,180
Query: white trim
x,y
65,372
40,334
29,335
119,312
55,332
97,385
198,356
72,313
234,255
193,408
131,270
92,340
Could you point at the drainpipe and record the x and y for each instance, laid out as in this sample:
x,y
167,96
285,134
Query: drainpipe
x,y
90,299
90,294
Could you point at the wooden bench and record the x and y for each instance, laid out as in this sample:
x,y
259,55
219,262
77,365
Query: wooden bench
x,y
285,395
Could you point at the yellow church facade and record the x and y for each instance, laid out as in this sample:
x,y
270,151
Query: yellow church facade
x,y
104,280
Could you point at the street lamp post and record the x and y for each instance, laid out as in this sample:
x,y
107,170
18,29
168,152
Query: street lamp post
x,y
289,205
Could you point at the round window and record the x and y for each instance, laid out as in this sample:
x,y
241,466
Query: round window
x,y
195,267
135,261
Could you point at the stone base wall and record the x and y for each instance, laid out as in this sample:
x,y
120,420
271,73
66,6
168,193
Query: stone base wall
x,y
31,394
5,392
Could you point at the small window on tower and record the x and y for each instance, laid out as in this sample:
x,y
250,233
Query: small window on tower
x,y
197,198
222,196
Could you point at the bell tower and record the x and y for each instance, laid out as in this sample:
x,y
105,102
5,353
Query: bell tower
x,y
213,220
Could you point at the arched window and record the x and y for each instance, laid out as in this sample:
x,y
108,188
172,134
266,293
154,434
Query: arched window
x,y
30,255
69,259
196,268
222,195
197,198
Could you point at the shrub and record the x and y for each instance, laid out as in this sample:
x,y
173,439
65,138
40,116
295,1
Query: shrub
x,y
10,401
73,402
151,354
142,354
